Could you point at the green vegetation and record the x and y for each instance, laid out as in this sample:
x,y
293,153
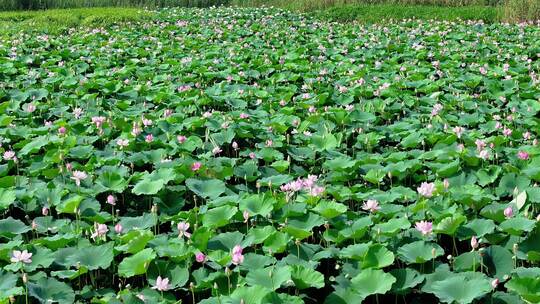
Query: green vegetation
x,y
376,13
311,5
50,4
260,156
522,10
61,19
374,10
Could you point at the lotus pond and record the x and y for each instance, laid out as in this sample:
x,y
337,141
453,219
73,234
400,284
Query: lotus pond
x,y
260,156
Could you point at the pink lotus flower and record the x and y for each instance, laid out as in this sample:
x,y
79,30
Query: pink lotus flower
x,y
252,155
426,189
78,176
371,205
118,228
474,243
507,132
436,109
181,139
244,115
122,143
446,183
523,155
100,230
162,284
9,155
135,130
44,211
269,143
316,191
237,249
235,145
21,256
183,230
458,131
527,135
237,257
30,108
245,215
216,150
508,212
424,227
147,122
167,113
62,130
484,154
98,121
495,283
200,257
149,138
196,166
111,200
480,144
77,112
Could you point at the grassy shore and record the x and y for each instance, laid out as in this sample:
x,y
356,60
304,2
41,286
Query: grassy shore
x,y
59,19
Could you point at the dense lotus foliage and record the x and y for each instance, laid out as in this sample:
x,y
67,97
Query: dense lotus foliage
x,y
259,156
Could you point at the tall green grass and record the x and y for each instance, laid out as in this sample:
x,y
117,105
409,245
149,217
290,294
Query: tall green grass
x,y
380,12
6,5
58,20
522,10
311,5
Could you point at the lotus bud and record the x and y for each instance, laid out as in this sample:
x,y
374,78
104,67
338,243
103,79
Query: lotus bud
x,y
118,228
191,285
474,243
494,283
515,248
154,209
433,253
446,184
449,257
25,278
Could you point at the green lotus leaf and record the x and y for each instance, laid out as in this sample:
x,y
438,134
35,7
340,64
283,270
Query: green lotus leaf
x,y
304,277
136,264
51,290
211,188
7,197
419,252
269,277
